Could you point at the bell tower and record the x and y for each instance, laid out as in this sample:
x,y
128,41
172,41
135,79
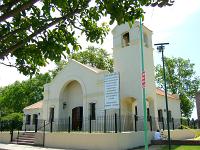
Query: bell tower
x,y
127,61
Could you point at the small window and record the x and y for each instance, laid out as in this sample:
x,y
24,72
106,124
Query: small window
x,y
170,115
92,111
28,119
135,110
125,39
51,116
146,44
160,115
35,117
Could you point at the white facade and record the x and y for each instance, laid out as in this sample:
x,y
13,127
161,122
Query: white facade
x,y
73,91
31,113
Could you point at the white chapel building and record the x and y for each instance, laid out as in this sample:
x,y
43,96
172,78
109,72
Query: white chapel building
x,y
77,92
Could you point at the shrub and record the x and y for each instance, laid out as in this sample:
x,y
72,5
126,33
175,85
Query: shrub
x,y
12,121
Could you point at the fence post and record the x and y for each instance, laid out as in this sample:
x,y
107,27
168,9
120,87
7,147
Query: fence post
x,y
17,136
173,123
150,121
44,133
163,124
136,118
181,123
90,124
198,123
193,123
105,122
188,122
25,127
1,124
115,123
51,126
11,131
36,123
69,125
11,135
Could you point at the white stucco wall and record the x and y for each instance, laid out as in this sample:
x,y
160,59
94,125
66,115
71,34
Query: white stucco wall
x,y
91,84
31,112
173,105
97,141
5,137
127,61
78,85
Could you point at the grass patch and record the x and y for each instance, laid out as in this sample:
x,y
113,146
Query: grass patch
x,y
182,147
197,138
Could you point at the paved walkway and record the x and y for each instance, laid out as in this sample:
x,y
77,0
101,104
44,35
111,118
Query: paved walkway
x,y
153,147
24,147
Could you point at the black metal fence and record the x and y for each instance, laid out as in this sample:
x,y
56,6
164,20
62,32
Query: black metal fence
x,y
104,124
107,124
10,125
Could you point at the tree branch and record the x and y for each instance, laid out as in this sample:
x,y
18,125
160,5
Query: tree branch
x,y
46,26
8,65
10,34
15,11
9,4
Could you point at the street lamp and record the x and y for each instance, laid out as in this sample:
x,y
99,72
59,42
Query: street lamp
x,y
160,48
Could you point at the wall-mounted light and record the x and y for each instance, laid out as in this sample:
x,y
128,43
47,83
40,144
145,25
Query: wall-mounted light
x,y
64,105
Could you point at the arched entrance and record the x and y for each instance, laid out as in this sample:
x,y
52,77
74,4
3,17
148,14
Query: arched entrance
x,y
127,113
71,104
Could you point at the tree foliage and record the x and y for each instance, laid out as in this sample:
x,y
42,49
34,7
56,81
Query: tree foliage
x,y
11,121
181,80
95,57
17,117
14,97
34,32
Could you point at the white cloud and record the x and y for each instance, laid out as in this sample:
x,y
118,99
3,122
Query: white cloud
x,y
167,18
162,21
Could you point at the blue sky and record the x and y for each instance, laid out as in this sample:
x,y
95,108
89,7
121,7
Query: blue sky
x,y
182,30
185,41
179,25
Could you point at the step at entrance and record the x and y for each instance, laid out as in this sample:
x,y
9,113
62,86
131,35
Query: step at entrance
x,y
27,138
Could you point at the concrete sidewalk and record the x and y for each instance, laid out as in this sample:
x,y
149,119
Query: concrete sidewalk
x,y
152,147
24,147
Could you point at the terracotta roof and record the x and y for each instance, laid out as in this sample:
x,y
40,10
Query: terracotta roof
x,y
162,93
37,105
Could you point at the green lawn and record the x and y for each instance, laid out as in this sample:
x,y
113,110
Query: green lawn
x,y
185,147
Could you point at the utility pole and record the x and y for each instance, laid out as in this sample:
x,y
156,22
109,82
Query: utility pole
x,y
143,88
160,48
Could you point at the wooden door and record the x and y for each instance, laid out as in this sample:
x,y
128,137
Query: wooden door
x,y
77,118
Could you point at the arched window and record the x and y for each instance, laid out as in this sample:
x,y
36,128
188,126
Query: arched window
x,y
125,39
145,40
